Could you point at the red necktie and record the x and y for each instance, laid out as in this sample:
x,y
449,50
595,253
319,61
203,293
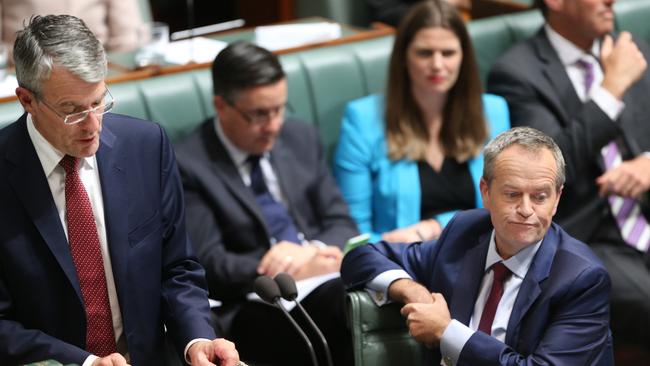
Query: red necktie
x,y
87,257
501,273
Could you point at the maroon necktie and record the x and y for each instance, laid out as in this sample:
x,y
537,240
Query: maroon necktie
x,y
501,273
87,257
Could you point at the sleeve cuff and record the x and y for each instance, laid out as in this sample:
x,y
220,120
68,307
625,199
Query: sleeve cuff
x,y
607,102
453,340
89,360
378,286
187,348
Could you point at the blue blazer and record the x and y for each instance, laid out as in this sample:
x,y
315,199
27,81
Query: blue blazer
x,y
560,316
384,194
158,280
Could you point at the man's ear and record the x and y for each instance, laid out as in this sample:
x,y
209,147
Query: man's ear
x,y
557,201
485,194
555,5
26,99
218,102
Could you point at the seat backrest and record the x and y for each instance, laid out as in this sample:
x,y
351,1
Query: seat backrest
x,y
632,16
379,334
9,112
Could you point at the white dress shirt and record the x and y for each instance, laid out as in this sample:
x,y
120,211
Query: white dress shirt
x,y
457,334
50,157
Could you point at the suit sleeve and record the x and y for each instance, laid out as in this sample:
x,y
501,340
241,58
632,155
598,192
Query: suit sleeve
x,y
184,295
577,331
580,137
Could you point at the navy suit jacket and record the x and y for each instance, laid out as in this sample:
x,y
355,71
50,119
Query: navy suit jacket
x,y
560,316
225,222
158,280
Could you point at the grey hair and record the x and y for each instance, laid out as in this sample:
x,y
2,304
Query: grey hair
x,y
57,40
530,139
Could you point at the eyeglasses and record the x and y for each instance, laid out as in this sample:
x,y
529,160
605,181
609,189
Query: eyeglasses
x,y
73,118
261,115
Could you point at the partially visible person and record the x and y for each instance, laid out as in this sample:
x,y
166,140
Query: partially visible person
x,y
116,23
407,160
502,285
96,266
392,12
588,89
260,201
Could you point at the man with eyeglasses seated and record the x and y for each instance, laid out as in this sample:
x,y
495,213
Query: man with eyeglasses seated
x,y
95,261
261,200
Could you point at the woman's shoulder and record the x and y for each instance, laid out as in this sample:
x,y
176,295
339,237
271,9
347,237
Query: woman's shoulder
x,y
493,101
366,113
496,113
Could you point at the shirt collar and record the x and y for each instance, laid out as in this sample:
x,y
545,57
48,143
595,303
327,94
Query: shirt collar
x,y
237,155
568,52
48,154
518,264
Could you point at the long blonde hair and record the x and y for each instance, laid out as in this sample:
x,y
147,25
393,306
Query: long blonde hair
x,y
464,129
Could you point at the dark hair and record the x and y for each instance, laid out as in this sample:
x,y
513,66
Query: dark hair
x,y
541,5
242,65
464,131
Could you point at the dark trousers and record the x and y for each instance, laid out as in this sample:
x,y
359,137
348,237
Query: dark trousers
x,y
264,336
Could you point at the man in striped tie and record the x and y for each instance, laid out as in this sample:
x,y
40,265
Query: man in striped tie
x,y
588,88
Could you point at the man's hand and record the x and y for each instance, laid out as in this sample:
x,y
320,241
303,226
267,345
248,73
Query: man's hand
x,y
114,359
630,179
216,352
407,291
327,260
623,64
423,230
427,322
285,257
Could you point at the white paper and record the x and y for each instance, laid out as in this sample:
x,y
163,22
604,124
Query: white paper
x,y
199,49
305,287
275,37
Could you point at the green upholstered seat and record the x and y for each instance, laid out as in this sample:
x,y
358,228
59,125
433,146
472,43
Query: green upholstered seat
x,y
175,102
379,334
299,96
9,112
128,100
203,81
632,16
373,57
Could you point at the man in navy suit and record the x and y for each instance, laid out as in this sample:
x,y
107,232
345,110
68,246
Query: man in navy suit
x,y
261,200
95,262
504,285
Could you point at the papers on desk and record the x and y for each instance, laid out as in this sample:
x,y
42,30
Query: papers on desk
x,y
275,37
199,50
8,86
305,287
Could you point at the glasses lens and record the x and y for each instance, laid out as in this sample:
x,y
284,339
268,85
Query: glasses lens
x,y
105,107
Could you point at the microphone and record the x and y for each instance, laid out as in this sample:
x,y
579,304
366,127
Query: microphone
x,y
269,291
289,292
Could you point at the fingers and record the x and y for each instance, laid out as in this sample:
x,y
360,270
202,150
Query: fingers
x,y
226,353
606,48
114,359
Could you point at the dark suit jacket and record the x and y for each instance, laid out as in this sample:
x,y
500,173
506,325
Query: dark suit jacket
x,y
158,280
224,220
560,316
539,93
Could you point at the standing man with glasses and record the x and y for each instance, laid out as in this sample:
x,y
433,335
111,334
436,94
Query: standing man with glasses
x,y
261,200
95,262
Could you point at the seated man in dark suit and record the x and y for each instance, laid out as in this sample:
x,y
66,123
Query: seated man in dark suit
x,y
502,286
589,91
261,200
94,257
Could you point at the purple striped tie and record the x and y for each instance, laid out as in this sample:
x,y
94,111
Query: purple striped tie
x,y
634,227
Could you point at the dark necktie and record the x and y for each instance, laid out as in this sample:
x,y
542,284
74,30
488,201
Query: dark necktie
x,y
501,273
277,218
87,258
627,213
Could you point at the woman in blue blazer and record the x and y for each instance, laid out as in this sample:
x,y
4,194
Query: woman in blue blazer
x,y
407,161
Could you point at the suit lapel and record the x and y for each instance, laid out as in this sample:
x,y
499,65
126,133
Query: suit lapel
x,y
469,281
32,189
112,176
226,170
561,92
530,287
